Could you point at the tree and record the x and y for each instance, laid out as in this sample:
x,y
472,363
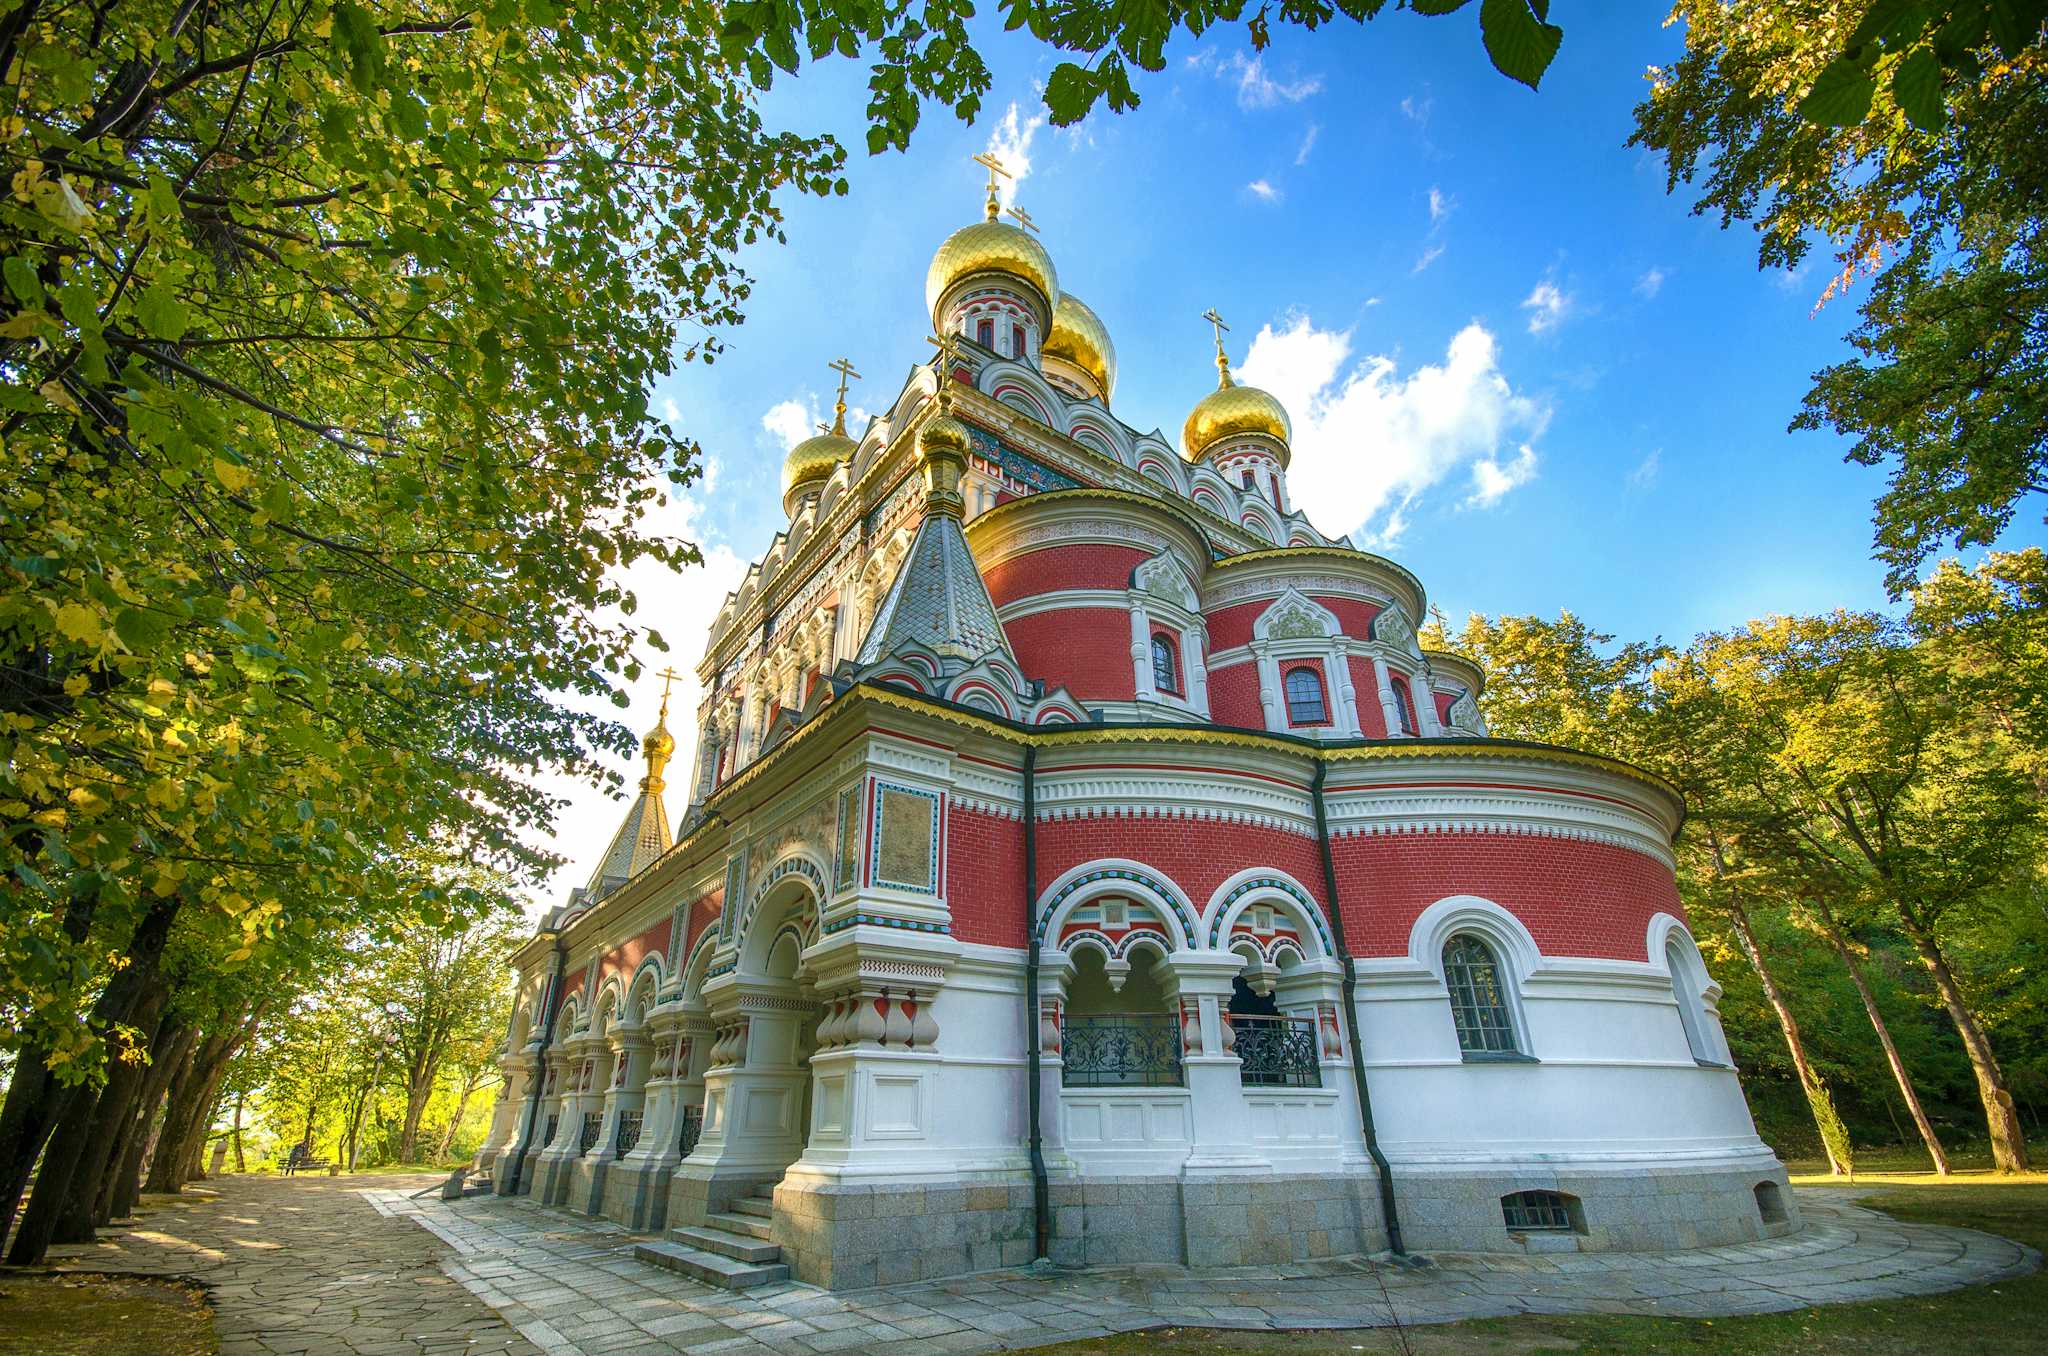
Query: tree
x,y
451,993
1913,139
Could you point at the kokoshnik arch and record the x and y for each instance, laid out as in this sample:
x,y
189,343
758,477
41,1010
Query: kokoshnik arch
x,y
1051,777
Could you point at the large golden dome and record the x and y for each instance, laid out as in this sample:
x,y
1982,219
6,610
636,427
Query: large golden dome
x,y
1079,336
989,247
814,459
1229,410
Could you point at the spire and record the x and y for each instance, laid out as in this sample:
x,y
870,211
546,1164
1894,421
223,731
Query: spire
x,y
937,599
846,374
1222,362
644,833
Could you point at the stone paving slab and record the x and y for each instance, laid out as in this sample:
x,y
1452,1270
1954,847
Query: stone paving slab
x,y
566,1286
318,1265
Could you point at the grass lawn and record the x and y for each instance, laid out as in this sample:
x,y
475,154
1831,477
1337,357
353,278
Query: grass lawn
x,y
1997,1320
85,1315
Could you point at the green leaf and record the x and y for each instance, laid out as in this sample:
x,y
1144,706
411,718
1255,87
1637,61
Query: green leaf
x,y
141,630
1519,42
1841,97
161,312
1437,7
1916,87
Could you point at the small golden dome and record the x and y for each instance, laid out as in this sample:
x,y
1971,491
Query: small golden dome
x,y
1229,410
1079,336
659,743
814,459
989,247
944,433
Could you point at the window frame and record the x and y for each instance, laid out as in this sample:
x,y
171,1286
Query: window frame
x,y
1314,674
985,332
1473,1013
1404,705
1172,684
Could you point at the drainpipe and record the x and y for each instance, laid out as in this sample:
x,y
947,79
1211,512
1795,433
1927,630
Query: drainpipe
x,y
540,1059
1372,1140
1041,1193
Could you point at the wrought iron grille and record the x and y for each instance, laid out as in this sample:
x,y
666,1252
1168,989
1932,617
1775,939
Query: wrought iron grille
x,y
554,1124
1277,1052
1538,1212
629,1133
593,1121
1134,1050
693,1127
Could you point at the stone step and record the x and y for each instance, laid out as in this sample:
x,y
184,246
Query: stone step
x,y
739,1247
754,1205
709,1267
752,1225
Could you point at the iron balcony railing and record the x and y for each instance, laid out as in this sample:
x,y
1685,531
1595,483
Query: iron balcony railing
x,y
1134,1050
629,1134
1277,1052
693,1127
593,1121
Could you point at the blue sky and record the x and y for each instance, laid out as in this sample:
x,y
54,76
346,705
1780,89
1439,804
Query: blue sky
x,y
1514,362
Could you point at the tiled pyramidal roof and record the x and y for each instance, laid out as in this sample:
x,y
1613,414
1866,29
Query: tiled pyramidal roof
x,y
643,837
937,601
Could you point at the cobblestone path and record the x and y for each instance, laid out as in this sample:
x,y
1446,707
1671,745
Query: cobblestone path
x,y
305,1265
571,1286
317,1265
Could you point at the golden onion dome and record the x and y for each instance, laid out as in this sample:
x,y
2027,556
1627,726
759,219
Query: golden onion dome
x,y
659,743
989,247
814,459
943,433
1079,336
1230,410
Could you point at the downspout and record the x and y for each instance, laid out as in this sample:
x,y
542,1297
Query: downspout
x,y
1041,1193
1388,1211
540,1058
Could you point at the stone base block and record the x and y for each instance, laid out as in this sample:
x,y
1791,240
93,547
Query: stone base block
x,y
694,1193
636,1195
586,1183
1620,1209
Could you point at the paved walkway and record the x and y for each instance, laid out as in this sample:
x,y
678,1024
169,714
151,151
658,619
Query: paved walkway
x,y
302,1265
571,1286
317,1265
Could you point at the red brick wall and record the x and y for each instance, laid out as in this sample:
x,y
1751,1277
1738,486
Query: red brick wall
x,y
1083,565
1352,614
985,877
1576,898
625,958
1196,855
1232,626
703,914
1234,696
1444,702
1365,690
1088,649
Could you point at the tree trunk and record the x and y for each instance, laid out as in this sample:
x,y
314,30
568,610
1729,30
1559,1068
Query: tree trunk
x,y
1884,1037
35,1099
469,1082
419,1090
241,1164
190,1100
2008,1137
70,1139
1833,1135
116,1103
142,1137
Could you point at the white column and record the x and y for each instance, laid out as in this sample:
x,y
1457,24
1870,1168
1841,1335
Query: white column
x,y
1339,666
1200,983
1141,653
1193,642
1388,707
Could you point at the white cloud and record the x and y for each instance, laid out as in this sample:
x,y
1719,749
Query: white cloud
x,y
1547,307
1308,143
1429,256
790,422
1650,284
1647,470
1255,88
1010,142
1439,205
1370,440
1492,479
1417,110
1264,191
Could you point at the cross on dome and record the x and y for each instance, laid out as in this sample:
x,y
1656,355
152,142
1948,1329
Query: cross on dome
x,y
995,167
1222,362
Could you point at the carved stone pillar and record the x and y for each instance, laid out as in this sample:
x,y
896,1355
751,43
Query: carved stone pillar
x,y
1200,982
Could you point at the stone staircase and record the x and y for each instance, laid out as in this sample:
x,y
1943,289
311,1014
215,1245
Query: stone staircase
x,y
730,1250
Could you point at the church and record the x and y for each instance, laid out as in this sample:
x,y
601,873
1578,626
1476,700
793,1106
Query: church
x,y
1082,859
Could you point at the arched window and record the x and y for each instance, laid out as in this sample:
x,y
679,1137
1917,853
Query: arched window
x,y
1017,343
1479,1001
1165,663
1305,704
985,333
1685,988
1404,705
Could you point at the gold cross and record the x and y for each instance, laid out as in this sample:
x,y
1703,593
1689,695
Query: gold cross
x,y
667,676
846,373
948,346
1023,218
995,167
1222,363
